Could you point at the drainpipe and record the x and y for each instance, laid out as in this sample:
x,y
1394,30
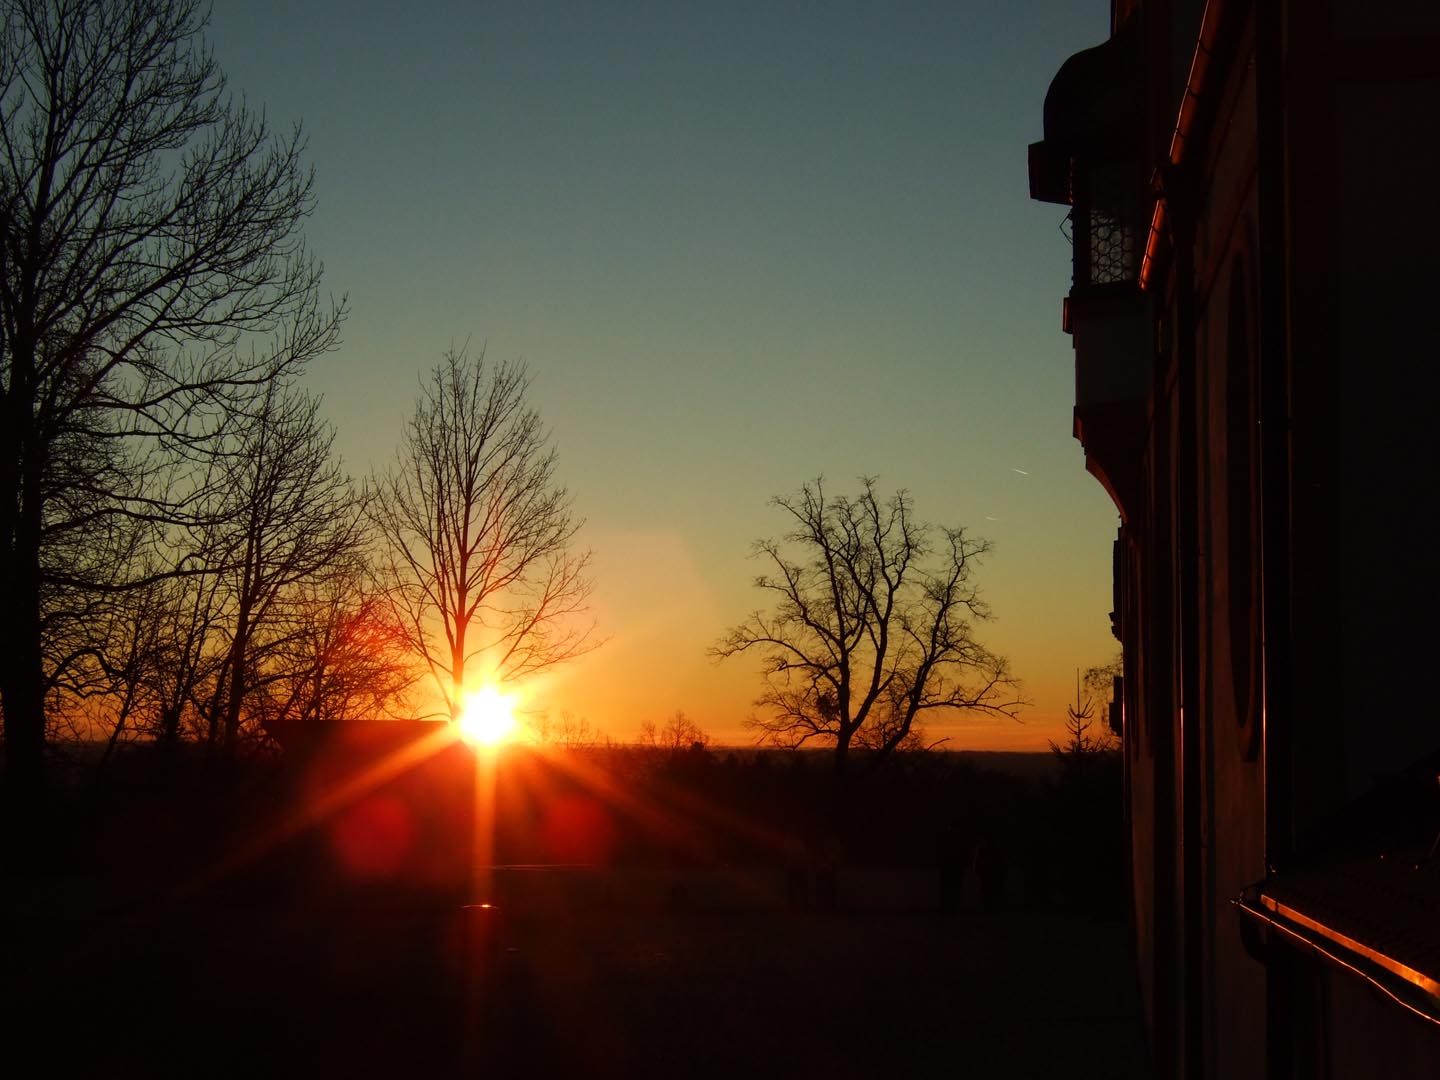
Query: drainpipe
x,y
1180,137
1178,201
1274,413
1187,610
1274,438
1274,479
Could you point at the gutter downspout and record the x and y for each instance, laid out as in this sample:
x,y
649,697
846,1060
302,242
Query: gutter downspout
x,y
1175,182
1187,559
1276,700
1195,85
1274,412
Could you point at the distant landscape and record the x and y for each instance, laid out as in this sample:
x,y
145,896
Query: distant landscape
x,y
658,909
294,614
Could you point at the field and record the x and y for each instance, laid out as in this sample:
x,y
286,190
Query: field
x,y
225,986
654,916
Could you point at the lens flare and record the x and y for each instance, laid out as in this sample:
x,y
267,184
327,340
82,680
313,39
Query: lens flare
x,y
489,717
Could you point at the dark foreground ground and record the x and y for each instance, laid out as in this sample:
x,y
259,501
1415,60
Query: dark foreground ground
x,y
225,985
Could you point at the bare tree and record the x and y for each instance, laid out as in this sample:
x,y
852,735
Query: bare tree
x,y
343,658
128,654
677,733
186,662
152,274
289,519
1100,679
871,629
478,532
570,734
278,526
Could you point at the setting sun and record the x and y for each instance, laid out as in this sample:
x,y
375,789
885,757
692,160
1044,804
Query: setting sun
x,y
489,717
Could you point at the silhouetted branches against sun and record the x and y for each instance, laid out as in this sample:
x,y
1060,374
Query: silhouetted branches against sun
x,y
871,626
478,533
290,521
153,278
342,657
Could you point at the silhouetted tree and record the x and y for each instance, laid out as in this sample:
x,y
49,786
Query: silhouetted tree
x,y
478,532
1083,737
871,628
677,733
251,616
1103,684
1086,804
191,609
121,692
152,274
342,658
289,519
1099,680
571,732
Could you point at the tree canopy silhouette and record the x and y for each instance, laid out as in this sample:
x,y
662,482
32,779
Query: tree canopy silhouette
x,y
478,532
871,629
152,278
290,524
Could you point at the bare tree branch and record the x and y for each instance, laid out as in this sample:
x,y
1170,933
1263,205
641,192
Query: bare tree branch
x,y
153,279
871,628
478,532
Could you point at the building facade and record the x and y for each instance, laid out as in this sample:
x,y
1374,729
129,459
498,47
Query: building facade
x,y
1255,372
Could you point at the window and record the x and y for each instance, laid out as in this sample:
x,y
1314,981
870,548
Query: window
x,y
1106,223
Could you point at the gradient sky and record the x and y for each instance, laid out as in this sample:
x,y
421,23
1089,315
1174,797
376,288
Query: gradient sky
x,y
739,245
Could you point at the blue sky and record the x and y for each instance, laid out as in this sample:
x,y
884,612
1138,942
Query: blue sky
x,y
739,245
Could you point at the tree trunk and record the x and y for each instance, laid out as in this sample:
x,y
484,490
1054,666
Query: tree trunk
x,y
22,666
170,723
236,695
457,667
457,694
22,674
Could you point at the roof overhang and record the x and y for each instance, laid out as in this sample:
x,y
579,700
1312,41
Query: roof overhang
x,y
1093,109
